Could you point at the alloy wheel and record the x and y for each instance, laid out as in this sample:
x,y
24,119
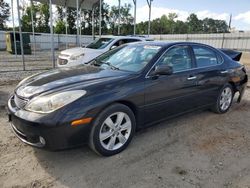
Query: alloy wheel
x,y
115,131
226,98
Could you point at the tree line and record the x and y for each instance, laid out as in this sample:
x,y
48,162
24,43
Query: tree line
x,y
167,24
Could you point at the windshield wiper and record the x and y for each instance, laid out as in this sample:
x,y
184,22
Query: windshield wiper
x,y
99,63
110,65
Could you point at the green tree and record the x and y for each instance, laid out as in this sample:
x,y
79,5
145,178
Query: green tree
x,y
105,18
126,19
60,27
171,22
43,20
114,16
181,27
86,24
214,26
60,12
26,18
71,20
194,24
4,13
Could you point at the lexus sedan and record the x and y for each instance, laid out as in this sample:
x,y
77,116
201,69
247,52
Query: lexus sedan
x,y
130,87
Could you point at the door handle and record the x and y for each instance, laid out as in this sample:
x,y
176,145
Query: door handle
x,y
191,78
224,72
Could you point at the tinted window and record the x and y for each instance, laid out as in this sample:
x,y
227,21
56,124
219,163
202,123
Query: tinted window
x,y
178,57
129,58
124,41
205,57
119,43
131,40
100,43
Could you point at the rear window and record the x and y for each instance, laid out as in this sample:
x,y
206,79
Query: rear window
x,y
100,43
206,57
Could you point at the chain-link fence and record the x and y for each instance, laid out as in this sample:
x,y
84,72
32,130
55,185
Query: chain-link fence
x,y
41,57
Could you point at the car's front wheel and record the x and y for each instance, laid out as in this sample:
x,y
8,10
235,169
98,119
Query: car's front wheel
x,y
112,130
224,99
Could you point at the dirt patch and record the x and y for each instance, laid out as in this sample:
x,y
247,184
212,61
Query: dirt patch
x,y
214,142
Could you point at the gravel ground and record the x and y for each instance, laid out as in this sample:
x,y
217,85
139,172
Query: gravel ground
x,y
200,149
42,60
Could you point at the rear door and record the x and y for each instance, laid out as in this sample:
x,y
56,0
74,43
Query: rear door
x,y
169,95
210,73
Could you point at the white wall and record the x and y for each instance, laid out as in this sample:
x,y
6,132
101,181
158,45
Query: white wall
x,y
238,41
42,40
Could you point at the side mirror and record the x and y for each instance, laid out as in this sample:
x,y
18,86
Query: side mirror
x,y
113,47
163,70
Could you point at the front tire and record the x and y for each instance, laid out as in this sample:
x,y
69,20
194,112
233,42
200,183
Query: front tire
x,y
112,130
224,99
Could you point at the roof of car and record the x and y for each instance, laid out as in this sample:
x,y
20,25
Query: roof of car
x,y
166,43
126,37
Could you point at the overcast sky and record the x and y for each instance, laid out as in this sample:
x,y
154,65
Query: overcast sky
x,y
217,9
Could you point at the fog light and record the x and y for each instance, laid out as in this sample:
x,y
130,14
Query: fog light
x,y
42,140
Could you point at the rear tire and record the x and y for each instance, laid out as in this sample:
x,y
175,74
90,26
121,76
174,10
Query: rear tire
x,y
224,99
112,130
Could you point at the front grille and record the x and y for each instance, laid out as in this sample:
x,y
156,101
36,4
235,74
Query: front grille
x,y
62,61
20,103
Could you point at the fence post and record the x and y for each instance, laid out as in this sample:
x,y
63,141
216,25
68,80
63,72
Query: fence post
x,y
223,39
20,34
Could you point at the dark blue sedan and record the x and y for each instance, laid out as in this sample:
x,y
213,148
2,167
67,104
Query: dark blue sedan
x,y
130,87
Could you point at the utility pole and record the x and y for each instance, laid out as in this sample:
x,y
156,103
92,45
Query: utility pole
x,y
149,16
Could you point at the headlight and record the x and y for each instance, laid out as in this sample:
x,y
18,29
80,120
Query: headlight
x,y
50,103
76,57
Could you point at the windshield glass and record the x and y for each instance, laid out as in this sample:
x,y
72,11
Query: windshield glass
x,y
128,58
100,43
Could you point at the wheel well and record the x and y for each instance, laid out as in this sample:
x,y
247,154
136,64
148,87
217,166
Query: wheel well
x,y
130,105
233,86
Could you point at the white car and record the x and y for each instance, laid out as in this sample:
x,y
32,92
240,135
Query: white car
x,y
81,55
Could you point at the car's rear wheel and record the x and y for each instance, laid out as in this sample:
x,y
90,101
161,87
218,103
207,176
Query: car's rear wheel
x,y
112,130
224,99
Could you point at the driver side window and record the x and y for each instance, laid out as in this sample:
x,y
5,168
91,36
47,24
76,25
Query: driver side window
x,y
178,58
118,43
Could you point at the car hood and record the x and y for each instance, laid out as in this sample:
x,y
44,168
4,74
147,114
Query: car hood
x,y
79,51
79,76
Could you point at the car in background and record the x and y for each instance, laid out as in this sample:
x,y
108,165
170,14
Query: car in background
x,y
81,55
130,87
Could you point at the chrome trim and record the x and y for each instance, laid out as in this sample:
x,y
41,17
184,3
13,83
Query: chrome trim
x,y
191,78
224,72
16,132
186,69
20,102
13,109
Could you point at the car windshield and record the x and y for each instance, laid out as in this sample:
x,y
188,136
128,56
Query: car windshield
x,y
100,43
128,58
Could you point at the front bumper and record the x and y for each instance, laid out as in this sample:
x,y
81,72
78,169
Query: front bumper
x,y
46,131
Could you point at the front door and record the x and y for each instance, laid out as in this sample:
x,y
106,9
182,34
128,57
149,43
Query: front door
x,y
169,95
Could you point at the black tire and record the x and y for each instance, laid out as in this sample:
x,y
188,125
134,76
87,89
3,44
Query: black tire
x,y
217,108
94,139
